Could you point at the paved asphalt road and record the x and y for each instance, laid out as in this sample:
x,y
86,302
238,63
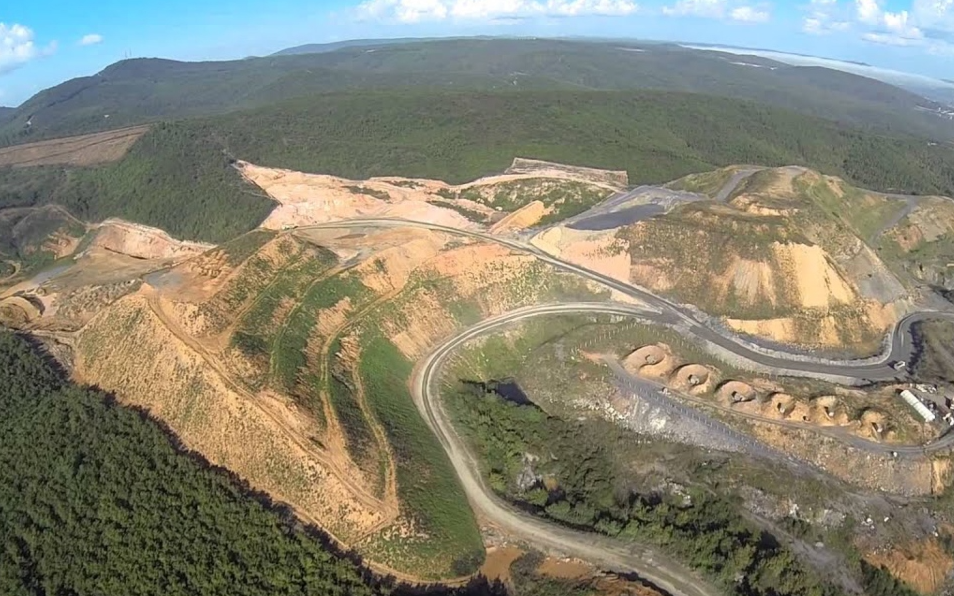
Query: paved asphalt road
x,y
900,346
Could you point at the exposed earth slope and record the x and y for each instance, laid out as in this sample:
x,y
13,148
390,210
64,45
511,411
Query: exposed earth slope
x,y
784,255
285,355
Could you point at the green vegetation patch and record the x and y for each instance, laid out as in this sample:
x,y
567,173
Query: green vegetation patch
x,y
865,214
288,355
268,311
705,183
358,434
579,484
428,487
180,176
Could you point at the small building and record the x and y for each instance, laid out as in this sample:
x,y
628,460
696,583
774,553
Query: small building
x,y
922,410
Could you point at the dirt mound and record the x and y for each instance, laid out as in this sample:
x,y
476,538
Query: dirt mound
x,y
736,392
84,150
829,411
143,242
17,311
652,360
873,424
696,379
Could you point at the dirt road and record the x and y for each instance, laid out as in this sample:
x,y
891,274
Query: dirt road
x,y
611,554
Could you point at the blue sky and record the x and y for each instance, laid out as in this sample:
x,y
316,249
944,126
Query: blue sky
x,y
44,42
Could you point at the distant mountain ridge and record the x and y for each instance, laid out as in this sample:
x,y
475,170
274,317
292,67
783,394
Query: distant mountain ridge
x,y
149,89
321,48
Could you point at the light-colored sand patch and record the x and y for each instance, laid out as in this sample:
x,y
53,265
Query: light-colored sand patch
x,y
751,281
524,217
566,569
431,321
616,179
144,242
819,284
308,199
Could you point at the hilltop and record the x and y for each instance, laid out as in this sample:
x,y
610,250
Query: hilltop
x,y
145,90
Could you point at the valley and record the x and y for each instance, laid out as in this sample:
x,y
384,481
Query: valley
x,y
476,317
281,355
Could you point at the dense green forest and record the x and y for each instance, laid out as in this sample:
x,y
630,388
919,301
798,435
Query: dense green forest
x,y
582,485
96,500
179,176
176,177
145,90
655,136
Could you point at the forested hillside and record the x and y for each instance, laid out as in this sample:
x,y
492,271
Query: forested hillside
x,y
82,479
144,90
179,175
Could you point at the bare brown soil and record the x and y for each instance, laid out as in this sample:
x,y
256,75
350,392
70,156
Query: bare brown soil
x,y
84,150
306,199
923,565
143,242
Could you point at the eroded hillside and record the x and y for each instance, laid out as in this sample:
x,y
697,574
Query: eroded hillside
x,y
284,358
284,355
783,256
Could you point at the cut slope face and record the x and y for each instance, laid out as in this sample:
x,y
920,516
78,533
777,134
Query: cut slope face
x,y
285,358
781,255
143,242
559,192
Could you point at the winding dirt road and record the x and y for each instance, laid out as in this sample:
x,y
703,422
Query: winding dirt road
x,y
647,562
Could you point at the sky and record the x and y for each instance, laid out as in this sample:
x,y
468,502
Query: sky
x,y
45,42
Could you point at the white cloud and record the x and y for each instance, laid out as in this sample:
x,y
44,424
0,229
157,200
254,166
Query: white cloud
x,y
16,46
824,17
717,9
869,11
415,11
91,39
888,28
713,9
934,14
747,14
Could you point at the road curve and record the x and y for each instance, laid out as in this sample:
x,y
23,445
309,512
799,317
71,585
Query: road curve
x,y
616,555
899,344
609,553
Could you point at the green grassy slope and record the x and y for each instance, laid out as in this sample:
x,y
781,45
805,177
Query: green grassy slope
x,y
148,89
